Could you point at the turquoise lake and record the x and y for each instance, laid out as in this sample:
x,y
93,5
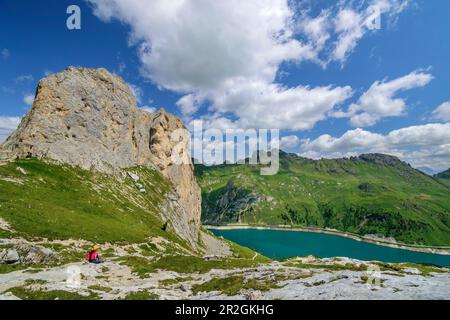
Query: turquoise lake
x,y
277,244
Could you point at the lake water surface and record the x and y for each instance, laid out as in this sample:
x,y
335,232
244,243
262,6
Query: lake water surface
x,y
278,244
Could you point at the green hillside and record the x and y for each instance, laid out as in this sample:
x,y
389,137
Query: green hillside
x,y
61,202
370,194
444,177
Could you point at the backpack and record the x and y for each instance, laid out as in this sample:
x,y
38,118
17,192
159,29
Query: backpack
x,y
88,256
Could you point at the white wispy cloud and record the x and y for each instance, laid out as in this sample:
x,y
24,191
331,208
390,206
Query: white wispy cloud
x,y
137,92
7,90
149,109
4,53
349,25
24,78
122,66
336,31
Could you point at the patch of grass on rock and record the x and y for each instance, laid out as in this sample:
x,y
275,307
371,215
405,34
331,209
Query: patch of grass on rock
x,y
193,264
30,282
148,249
99,288
7,268
331,267
28,294
5,234
33,270
141,295
246,253
138,265
231,286
425,270
169,282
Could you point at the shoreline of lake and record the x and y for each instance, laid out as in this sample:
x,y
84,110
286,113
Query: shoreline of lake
x,y
424,249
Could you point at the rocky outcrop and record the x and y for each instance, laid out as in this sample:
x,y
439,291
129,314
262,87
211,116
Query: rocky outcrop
x,y
230,204
89,118
27,254
383,159
307,278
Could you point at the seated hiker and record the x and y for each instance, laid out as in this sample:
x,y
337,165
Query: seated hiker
x,y
92,255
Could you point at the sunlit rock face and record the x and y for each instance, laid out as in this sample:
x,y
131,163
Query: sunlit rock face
x,y
89,118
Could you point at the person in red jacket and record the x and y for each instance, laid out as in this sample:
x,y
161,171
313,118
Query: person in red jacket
x,y
92,255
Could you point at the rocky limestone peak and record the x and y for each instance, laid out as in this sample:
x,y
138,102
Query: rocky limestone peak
x,y
89,118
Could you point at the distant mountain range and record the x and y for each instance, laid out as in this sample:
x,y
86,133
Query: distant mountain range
x,y
370,194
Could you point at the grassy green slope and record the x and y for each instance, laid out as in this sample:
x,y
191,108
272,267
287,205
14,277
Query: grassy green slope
x,y
60,202
372,194
444,177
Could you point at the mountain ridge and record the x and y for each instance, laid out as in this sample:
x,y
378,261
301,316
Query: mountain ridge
x,y
369,194
443,175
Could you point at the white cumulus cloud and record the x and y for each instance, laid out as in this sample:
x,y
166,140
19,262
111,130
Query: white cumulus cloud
x,y
381,99
226,53
289,142
442,112
422,146
264,105
7,125
189,104
28,99
191,45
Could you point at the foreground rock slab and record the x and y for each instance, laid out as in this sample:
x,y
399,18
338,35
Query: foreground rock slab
x,y
296,279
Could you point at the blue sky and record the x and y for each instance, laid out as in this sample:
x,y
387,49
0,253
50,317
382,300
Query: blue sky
x,y
318,96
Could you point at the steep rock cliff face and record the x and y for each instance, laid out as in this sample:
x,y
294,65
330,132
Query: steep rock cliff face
x,y
88,118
